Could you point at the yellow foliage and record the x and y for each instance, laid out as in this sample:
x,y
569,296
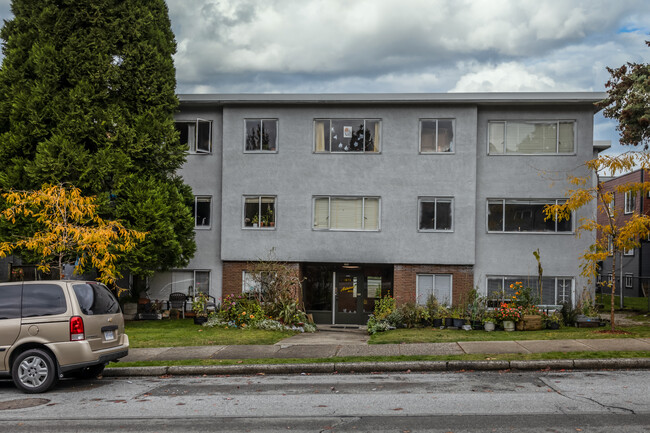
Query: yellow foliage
x,y
69,228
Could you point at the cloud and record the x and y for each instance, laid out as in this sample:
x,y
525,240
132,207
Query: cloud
x,y
506,77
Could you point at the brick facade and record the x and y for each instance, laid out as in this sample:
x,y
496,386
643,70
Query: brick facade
x,y
233,275
405,280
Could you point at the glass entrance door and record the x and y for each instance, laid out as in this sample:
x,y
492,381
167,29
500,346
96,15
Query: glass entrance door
x,y
349,298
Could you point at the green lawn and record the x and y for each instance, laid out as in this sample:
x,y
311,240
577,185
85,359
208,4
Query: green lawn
x,y
629,303
431,335
183,332
466,357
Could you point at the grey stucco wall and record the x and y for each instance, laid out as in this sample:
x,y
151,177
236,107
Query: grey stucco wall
x,y
399,175
202,172
529,177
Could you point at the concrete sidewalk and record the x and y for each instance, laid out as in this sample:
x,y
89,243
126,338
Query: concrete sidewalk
x,y
300,348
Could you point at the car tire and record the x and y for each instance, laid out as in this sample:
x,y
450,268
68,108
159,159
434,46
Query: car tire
x,y
89,372
34,371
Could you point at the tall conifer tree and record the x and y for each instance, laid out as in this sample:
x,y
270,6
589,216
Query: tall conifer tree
x,y
87,96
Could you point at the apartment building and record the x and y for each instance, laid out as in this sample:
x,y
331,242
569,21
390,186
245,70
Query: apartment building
x,y
633,265
371,194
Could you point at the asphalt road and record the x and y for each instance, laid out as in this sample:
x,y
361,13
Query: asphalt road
x,y
572,401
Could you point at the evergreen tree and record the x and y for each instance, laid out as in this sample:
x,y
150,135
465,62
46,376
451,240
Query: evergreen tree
x,y
87,96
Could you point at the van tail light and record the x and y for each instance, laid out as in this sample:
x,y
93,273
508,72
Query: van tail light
x,y
77,329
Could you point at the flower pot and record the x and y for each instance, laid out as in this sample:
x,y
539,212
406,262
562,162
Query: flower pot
x,y
467,327
508,325
200,320
458,323
553,325
489,326
437,323
530,322
477,325
449,322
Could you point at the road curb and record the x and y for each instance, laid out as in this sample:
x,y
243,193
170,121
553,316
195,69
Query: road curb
x,y
378,367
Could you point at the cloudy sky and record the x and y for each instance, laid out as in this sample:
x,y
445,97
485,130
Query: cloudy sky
x,y
339,46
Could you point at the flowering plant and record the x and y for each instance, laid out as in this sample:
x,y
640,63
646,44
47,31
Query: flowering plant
x,y
508,312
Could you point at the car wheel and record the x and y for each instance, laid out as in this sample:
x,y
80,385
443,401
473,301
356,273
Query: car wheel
x,y
34,371
89,372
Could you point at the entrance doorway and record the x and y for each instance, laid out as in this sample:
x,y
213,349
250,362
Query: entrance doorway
x,y
344,293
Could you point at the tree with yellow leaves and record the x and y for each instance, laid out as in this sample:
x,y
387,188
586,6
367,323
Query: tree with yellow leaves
x,y
68,231
616,234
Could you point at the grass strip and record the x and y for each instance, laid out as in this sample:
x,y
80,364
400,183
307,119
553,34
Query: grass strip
x,y
466,357
433,335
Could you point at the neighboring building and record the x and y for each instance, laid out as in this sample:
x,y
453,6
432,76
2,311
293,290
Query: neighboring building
x,y
368,194
632,266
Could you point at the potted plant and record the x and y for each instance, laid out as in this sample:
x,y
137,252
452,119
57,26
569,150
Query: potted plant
x,y
489,322
457,316
199,307
508,315
436,311
269,218
552,321
255,221
476,310
588,316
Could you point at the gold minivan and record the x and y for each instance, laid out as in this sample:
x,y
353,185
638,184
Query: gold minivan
x,y
52,329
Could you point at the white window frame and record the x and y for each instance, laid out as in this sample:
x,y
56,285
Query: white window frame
x,y
196,207
259,207
630,202
433,276
192,282
193,146
629,283
546,122
629,252
363,152
503,216
428,199
329,213
516,277
262,120
452,147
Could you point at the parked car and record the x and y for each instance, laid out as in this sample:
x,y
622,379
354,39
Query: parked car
x,y
55,329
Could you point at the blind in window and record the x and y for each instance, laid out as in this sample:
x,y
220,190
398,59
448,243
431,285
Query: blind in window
x,y
346,213
321,213
371,214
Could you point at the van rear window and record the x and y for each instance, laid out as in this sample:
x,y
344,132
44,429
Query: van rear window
x,y
95,299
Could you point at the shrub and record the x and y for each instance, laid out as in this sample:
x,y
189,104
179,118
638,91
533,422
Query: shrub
x,y
240,310
569,314
384,307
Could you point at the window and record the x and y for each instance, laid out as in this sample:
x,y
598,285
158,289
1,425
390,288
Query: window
x,y
523,216
43,300
256,283
555,290
95,299
191,282
628,281
347,135
202,205
10,301
437,285
261,135
259,212
629,252
346,213
630,201
610,245
196,134
531,138
436,135
435,214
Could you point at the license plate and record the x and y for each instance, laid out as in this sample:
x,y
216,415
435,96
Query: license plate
x,y
109,335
